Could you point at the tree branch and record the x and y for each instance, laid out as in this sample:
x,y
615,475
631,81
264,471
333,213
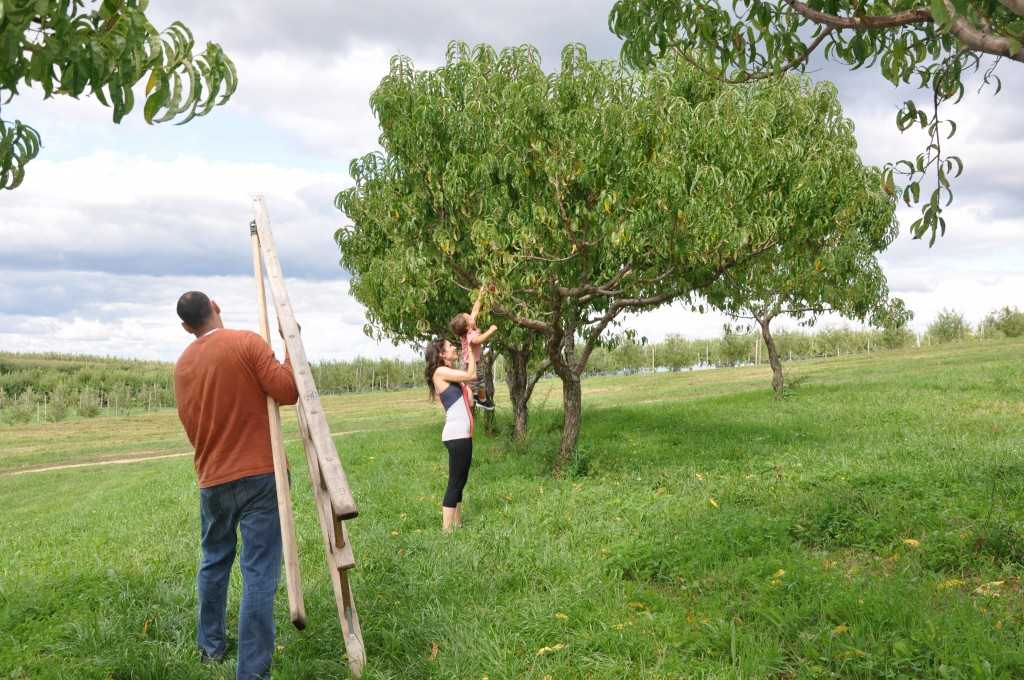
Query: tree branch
x,y
606,289
748,76
973,39
1015,6
918,15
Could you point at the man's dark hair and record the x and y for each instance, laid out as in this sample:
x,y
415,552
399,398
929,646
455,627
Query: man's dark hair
x,y
194,308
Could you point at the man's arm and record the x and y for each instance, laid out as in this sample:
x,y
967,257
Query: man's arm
x,y
275,377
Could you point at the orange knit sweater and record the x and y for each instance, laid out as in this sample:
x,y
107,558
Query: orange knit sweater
x,y
221,383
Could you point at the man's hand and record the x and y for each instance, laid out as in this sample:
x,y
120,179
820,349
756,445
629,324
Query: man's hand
x,y
280,329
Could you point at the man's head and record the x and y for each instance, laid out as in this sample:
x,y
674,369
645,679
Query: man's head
x,y
461,324
198,313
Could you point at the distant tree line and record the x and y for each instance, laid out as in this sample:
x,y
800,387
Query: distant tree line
x,y
52,386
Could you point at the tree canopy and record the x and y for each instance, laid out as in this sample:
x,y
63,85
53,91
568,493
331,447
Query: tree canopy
x,y
836,271
930,43
67,49
585,193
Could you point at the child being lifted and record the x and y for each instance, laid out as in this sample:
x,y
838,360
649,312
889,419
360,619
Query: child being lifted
x,y
464,326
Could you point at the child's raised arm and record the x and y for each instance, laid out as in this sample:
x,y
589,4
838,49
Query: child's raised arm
x,y
476,305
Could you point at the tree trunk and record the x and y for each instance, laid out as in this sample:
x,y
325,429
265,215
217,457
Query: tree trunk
x,y
517,379
572,400
773,356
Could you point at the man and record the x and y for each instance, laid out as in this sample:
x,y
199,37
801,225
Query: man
x,y
221,383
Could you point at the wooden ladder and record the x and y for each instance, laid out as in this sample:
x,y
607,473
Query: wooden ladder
x,y
333,499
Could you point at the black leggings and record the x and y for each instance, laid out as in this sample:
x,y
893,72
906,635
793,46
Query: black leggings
x,y
460,456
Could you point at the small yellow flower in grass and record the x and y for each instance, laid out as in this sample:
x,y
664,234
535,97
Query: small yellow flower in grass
x,y
712,501
560,615
699,477
912,542
950,583
547,650
638,605
404,516
617,626
842,628
373,457
780,573
775,582
394,533
999,625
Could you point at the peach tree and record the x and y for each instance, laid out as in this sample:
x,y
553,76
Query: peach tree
x,y
584,193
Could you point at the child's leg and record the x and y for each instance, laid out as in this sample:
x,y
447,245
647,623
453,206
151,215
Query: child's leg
x,y
481,381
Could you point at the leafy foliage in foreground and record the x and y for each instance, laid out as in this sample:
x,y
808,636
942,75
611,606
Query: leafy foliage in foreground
x,y
867,526
105,51
934,44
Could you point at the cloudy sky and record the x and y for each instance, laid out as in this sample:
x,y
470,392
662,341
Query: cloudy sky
x,y
114,222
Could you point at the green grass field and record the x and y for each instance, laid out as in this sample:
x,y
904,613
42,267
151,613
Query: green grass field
x,y
870,524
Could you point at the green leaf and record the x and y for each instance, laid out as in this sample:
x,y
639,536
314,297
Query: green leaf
x,y
940,14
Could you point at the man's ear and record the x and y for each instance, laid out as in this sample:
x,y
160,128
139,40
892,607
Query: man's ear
x,y
216,307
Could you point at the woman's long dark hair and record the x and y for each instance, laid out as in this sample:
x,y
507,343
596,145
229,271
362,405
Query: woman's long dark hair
x,y
434,361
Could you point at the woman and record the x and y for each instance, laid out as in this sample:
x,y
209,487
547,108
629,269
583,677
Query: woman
x,y
450,385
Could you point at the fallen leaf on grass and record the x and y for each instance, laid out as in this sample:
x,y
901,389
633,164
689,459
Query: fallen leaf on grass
x,y
145,627
560,615
950,583
842,628
546,650
991,589
712,501
912,542
433,651
780,572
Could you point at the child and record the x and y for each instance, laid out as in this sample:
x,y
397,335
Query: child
x,y
464,326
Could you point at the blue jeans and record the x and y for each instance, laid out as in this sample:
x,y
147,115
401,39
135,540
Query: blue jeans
x,y
251,505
